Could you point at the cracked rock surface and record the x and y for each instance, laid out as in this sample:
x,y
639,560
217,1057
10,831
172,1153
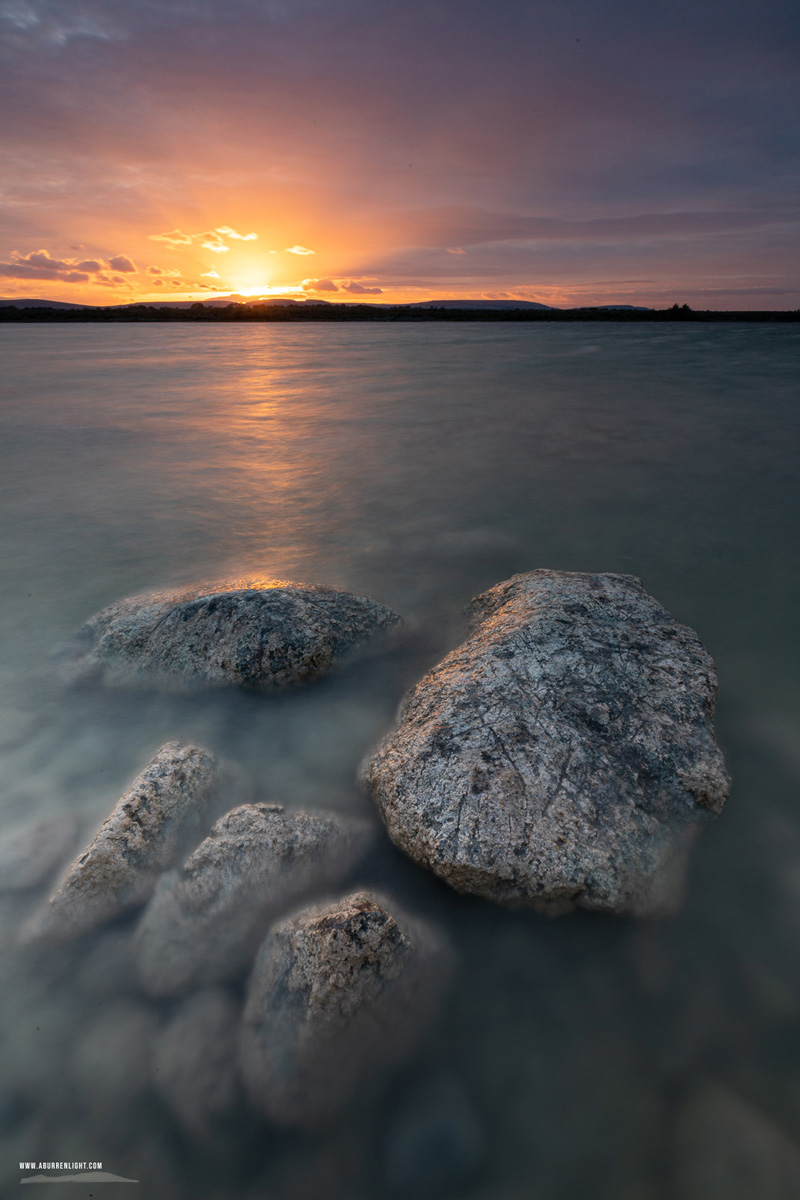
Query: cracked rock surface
x,y
143,836
338,992
205,922
564,754
252,633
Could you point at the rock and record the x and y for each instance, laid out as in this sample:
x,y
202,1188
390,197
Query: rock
x,y
195,1066
206,921
337,993
253,633
143,836
563,755
436,1145
111,1065
728,1150
32,852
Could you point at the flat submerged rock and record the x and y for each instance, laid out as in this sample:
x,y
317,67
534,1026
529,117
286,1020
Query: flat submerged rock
x,y
563,755
205,922
251,633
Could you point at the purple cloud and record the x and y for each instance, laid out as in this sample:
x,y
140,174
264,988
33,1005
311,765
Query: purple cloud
x,y
359,288
121,262
319,285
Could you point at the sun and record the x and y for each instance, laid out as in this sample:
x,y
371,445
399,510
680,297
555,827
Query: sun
x,y
249,279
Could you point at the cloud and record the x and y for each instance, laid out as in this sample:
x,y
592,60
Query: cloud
x,y
38,264
212,241
319,285
176,238
456,250
226,231
299,250
154,271
121,262
210,275
359,289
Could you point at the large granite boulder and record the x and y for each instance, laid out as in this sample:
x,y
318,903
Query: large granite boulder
x,y
338,993
195,1064
563,755
142,837
206,921
253,633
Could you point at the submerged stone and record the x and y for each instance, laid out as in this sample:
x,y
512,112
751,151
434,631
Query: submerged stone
x,y
206,921
563,755
435,1144
195,1064
338,993
727,1150
256,634
31,853
141,838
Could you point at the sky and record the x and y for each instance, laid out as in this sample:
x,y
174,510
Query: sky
x,y
573,152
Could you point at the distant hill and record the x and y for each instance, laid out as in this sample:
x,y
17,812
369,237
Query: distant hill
x,y
28,303
476,304
619,308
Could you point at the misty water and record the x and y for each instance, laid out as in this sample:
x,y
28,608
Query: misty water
x,y
417,465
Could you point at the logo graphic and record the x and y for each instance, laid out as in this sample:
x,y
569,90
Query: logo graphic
x,y
80,1174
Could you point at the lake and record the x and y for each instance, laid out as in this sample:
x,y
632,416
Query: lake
x,y
419,465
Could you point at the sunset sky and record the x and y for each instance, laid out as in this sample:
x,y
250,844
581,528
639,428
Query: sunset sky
x,y
566,151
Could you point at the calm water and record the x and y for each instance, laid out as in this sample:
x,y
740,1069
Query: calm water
x,y
417,465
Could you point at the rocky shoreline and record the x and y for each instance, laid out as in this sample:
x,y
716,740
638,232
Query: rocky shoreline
x,y
563,756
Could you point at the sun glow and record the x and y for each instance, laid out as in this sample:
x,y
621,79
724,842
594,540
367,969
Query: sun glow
x,y
249,279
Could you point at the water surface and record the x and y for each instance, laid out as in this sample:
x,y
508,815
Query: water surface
x,y
417,465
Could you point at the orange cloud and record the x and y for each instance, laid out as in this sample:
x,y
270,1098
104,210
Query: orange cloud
x,y
226,231
299,250
176,238
319,285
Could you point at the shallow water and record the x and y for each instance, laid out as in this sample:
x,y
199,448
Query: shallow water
x,y
417,465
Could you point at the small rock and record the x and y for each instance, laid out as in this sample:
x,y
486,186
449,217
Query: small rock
x,y
728,1150
562,756
337,994
32,852
195,1067
106,968
436,1145
111,1065
141,838
205,922
253,633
